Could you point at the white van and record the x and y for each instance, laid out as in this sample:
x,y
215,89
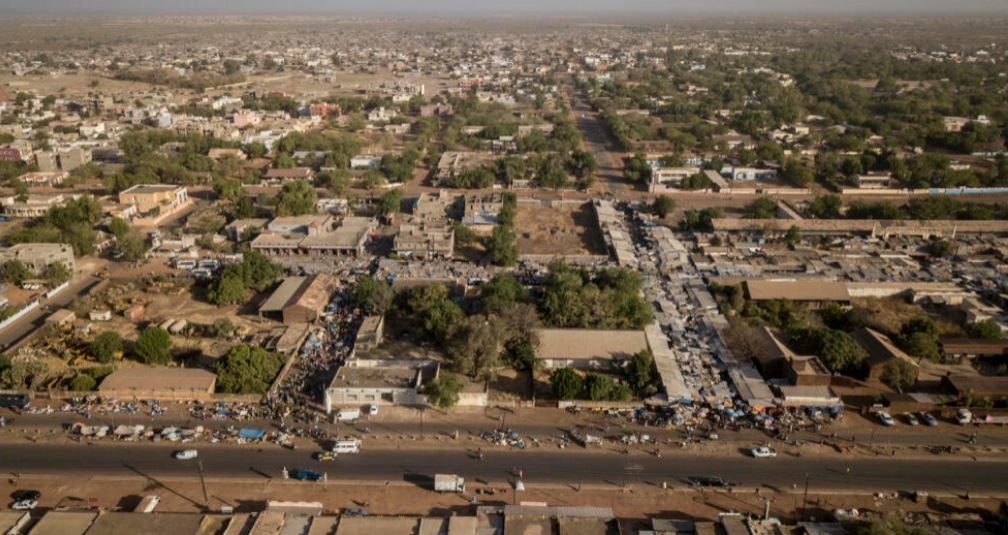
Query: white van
x,y
185,455
347,415
147,505
346,446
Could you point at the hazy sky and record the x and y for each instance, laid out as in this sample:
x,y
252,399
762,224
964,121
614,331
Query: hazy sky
x,y
10,7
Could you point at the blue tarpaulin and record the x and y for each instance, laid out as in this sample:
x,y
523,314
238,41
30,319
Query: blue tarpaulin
x,y
252,433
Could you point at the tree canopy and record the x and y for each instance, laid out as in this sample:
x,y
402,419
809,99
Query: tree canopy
x,y
247,370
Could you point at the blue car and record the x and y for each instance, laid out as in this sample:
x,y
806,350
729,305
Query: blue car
x,y
305,475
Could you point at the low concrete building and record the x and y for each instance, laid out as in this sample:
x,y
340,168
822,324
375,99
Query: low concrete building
x,y
397,383
587,349
239,228
38,256
162,383
154,202
480,211
300,299
283,175
977,387
36,205
370,334
314,235
813,292
872,180
434,206
808,371
428,241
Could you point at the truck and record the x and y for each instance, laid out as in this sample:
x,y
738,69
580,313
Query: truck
x,y
347,415
449,483
346,446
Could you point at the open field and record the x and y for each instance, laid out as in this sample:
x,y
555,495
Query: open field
x,y
563,230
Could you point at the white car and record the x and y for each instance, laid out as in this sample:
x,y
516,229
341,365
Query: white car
x,y
185,455
372,410
761,453
911,419
24,505
964,417
886,419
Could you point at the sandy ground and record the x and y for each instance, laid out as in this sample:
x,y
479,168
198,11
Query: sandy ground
x,y
566,230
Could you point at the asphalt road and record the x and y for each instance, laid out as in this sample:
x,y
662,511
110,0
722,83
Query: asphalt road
x,y
538,466
27,324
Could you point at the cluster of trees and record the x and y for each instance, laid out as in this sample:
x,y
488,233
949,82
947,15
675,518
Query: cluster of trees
x,y
73,224
188,164
696,182
609,299
15,272
501,242
197,82
637,169
296,197
928,208
255,271
153,346
761,208
702,220
635,376
247,369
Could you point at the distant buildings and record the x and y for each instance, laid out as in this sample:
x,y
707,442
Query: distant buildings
x,y
428,241
36,205
154,202
314,235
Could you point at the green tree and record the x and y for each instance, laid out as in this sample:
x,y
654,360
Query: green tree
x,y
296,197
244,208
133,248
793,235
566,383
228,189
247,370
435,320
463,234
227,289
837,350
501,246
284,161
153,346
106,345
899,374
986,330
889,524
637,169
502,290
761,208
826,206
388,203
57,273
444,392
663,206
82,383
519,353
598,386
15,272
372,295
639,372
582,163
118,228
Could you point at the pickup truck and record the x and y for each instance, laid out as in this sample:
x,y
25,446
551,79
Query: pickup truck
x,y
761,453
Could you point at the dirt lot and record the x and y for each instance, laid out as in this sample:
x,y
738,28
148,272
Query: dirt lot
x,y
565,230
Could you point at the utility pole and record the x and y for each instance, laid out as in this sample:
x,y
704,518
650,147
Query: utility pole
x,y
805,498
206,496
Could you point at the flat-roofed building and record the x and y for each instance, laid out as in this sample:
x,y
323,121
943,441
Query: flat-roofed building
x,y
434,206
284,175
36,205
872,180
300,299
428,240
370,334
314,235
663,178
396,383
154,202
38,179
38,256
481,210
64,523
798,291
587,349
162,383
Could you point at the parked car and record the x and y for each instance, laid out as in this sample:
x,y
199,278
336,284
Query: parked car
x,y
353,511
911,419
709,481
964,417
186,455
929,419
886,419
372,409
764,452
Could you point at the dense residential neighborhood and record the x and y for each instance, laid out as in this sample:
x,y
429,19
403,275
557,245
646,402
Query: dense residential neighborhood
x,y
537,255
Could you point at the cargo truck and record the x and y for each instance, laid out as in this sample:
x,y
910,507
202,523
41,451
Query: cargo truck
x,y
449,483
